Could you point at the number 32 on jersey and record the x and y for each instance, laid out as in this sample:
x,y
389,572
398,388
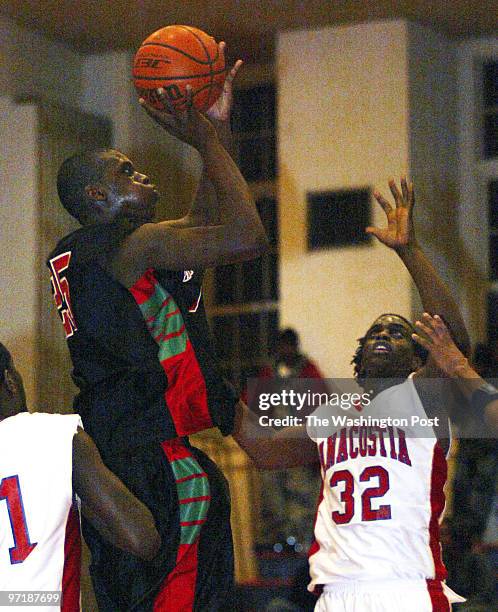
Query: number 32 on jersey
x,y
344,479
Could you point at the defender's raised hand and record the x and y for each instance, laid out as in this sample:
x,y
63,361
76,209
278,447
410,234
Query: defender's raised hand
x,y
187,125
399,232
437,340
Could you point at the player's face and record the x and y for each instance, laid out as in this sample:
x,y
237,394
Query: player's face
x,y
130,194
388,350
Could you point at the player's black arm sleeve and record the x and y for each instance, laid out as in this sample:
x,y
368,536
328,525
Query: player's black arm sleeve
x,y
111,508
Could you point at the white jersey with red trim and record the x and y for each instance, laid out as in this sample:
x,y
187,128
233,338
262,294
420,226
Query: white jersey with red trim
x,y
36,499
381,499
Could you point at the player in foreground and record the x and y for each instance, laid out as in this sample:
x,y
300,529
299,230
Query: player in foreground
x,y
46,458
377,525
130,297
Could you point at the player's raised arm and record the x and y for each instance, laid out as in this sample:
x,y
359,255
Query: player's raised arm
x,y
205,209
111,508
436,338
399,235
238,236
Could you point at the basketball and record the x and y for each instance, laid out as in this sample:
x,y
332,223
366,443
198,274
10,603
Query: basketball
x,y
174,57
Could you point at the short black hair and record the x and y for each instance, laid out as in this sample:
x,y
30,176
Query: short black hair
x,y
5,362
75,173
289,336
420,351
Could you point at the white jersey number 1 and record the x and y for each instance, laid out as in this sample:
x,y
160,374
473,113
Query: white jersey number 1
x,y
11,492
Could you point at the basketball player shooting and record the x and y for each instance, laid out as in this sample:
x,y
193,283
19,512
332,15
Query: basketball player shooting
x,y
129,292
377,526
44,459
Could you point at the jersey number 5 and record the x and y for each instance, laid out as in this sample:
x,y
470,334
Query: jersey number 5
x,y
10,491
60,288
367,513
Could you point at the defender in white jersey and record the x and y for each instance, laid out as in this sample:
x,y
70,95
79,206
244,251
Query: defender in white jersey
x,y
44,460
379,509
377,526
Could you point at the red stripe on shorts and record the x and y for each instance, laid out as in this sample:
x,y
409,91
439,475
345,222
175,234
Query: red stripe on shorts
x,y
72,563
439,601
438,478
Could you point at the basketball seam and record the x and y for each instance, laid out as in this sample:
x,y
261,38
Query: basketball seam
x,y
211,76
199,40
195,59
176,78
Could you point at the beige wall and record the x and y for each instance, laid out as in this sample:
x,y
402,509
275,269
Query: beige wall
x,y
343,123
18,238
433,152
31,65
474,174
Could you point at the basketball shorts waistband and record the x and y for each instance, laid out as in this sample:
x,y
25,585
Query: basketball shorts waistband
x,y
369,586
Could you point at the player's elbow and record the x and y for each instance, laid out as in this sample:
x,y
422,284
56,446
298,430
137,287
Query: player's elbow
x,y
145,542
152,546
255,244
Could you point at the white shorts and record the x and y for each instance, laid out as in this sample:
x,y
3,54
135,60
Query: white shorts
x,y
387,596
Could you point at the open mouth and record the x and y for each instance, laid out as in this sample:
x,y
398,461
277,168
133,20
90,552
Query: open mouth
x,y
381,347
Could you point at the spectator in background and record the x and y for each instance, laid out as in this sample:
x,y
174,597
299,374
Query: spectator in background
x,y
288,361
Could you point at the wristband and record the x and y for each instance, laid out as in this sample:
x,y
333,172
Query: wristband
x,y
482,396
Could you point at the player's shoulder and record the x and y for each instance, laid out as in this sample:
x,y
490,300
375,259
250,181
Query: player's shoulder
x,y
91,242
48,417
41,424
67,243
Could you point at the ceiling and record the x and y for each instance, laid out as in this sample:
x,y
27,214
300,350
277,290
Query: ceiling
x,y
248,26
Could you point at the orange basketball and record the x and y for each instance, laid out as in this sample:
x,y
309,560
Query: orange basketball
x,y
176,56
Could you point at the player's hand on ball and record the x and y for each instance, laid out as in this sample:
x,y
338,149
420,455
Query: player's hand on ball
x,y
399,232
189,125
221,109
